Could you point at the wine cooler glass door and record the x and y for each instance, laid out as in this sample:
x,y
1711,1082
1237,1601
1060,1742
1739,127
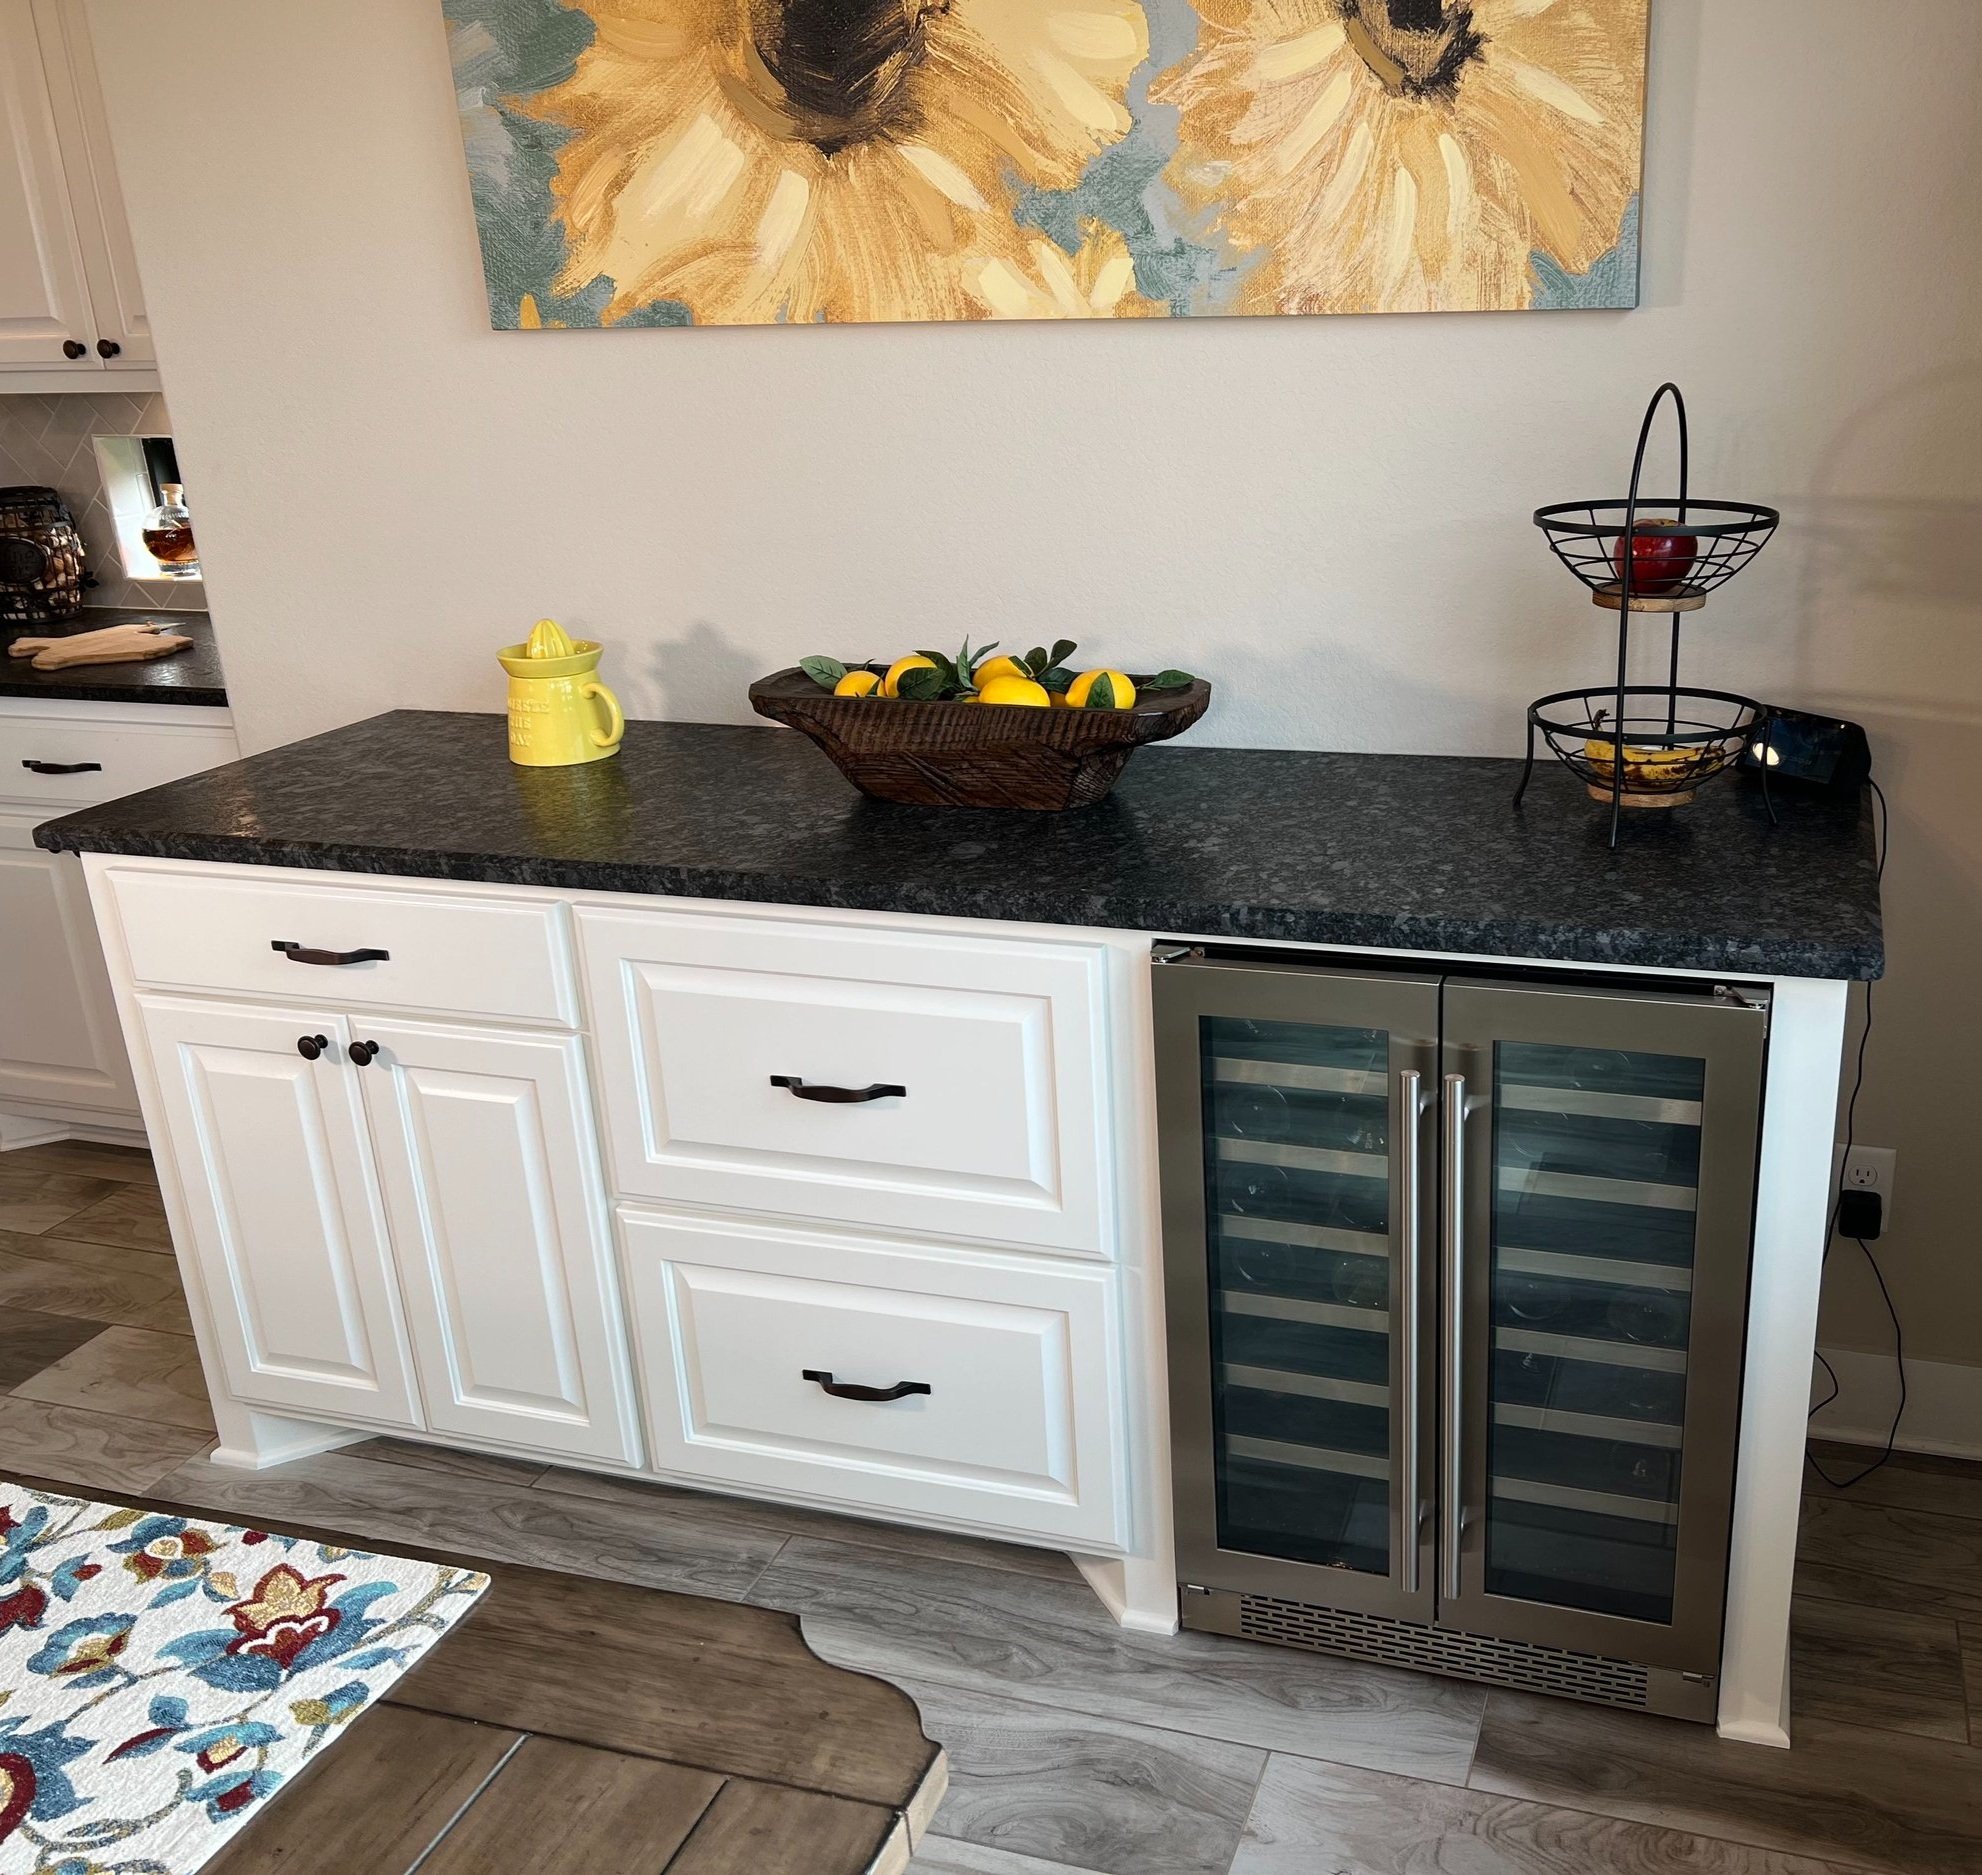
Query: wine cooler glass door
x,y
1597,1178
1298,1181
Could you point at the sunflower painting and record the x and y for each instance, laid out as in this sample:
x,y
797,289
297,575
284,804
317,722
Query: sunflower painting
x,y
732,162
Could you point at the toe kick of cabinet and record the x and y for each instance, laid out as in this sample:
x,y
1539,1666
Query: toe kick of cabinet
x,y
957,1387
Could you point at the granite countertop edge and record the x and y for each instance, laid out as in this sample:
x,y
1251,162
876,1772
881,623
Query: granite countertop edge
x,y
1510,937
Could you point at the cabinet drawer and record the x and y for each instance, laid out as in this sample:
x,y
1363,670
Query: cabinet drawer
x,y
472,956
993,1049
79,761
1017,1431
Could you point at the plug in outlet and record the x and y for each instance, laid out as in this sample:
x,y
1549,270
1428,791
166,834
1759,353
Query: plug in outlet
x,y
1869,1169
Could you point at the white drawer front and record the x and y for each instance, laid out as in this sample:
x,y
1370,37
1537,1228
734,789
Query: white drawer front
x,y
60,762
470,956
997,1044
1019,1428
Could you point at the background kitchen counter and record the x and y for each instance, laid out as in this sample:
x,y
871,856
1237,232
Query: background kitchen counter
x,y
1411,852
187,677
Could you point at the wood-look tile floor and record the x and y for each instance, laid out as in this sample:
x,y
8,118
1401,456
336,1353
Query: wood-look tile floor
x,y
1074,1748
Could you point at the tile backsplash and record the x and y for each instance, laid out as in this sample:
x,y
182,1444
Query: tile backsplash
x,y
50,440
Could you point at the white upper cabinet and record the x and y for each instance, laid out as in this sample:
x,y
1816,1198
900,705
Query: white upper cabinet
x,y
69,295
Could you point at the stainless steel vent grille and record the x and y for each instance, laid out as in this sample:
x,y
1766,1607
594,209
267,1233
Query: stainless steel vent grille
x,y
1524,1664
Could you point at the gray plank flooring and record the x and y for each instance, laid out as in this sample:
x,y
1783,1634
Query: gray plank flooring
x,y
994,1632
1076,1749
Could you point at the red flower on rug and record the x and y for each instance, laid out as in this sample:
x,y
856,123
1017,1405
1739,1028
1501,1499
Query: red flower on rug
x,y
23,1609
16,1787
161,1552
284,1615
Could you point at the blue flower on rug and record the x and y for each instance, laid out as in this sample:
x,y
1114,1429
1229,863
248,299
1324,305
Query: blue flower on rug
x,y
84,1652
162,1677
33,1784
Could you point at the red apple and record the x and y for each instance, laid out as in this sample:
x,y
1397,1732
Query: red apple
x,y
1659,562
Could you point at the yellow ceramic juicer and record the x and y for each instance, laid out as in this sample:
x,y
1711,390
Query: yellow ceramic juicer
x,y
559,713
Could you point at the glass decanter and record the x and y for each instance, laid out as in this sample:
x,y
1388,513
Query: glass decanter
x,y
168,534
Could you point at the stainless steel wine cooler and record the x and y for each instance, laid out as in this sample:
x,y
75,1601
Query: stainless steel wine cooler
x,y
1457,1271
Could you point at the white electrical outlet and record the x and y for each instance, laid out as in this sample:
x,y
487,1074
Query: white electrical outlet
x,y
1868,1168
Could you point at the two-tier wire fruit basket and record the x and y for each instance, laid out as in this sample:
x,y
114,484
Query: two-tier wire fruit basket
x,y
1650,745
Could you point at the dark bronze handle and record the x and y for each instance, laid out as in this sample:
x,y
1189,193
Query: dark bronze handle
x,y
838,1096
846,1390
363,1052
107,348
335,960
64,768
311,1046
74,348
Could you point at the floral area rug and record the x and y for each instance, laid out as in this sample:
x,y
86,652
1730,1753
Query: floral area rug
x,y
161,1677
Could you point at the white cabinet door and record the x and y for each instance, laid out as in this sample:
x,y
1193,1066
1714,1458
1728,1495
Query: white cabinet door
x,y
95,197
288,1232
485,1152
59,1042
44,291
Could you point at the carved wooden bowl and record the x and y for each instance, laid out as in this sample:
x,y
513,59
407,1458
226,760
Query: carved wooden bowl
x,y
976,754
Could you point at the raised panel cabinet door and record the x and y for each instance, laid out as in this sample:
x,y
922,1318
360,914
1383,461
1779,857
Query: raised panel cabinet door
x,y
44,292
288,1232
59,1041
497,1212
96,197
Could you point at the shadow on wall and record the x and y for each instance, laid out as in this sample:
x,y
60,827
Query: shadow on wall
x,y
1887,633
700,677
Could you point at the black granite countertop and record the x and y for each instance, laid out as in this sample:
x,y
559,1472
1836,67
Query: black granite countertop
x,y
1410,851
187,677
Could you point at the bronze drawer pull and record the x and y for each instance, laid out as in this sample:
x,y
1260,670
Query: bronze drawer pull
x,y
846,1390
838,1096
63,768
302,954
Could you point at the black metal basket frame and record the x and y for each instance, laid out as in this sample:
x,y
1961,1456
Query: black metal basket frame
x,y
1568,522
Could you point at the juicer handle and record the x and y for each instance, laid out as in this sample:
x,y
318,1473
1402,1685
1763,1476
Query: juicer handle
x,y
615,716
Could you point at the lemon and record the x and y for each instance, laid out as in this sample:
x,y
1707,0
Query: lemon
x,y
1014,690
1082,686
998,667
915,661
857,684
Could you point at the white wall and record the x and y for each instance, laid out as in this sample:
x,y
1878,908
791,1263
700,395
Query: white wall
x,y
1329,517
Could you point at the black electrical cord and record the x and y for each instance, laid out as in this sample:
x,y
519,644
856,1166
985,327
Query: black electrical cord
x,y
1865,1249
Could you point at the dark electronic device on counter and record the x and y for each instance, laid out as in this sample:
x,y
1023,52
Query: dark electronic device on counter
x,y
1821,751
41,558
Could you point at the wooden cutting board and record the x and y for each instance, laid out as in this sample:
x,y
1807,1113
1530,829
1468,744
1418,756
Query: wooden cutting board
x,y
113,644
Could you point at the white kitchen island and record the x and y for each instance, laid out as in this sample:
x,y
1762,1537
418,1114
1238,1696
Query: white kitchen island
x,y
665,1167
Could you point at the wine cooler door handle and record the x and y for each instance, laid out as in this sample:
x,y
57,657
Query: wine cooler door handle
x,y
1410,1254
1452,1512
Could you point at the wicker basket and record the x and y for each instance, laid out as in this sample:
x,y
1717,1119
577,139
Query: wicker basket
x,y
41,558
975,754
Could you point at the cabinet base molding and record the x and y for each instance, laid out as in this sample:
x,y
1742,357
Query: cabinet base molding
x,y
35,1126
251,1441
1139,1591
